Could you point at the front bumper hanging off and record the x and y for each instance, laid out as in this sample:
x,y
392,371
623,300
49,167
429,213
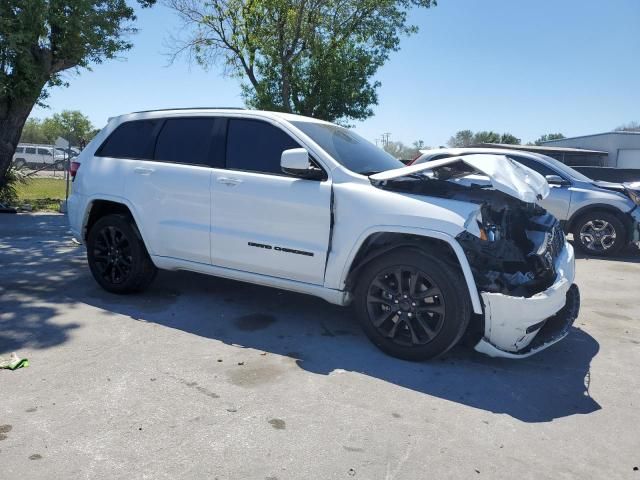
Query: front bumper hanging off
x,y
517,327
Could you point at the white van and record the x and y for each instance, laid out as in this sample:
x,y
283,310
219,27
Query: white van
x,y
37,155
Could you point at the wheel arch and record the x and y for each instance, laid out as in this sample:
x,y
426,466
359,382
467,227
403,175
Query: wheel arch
x,y
620,215
375,243
100,206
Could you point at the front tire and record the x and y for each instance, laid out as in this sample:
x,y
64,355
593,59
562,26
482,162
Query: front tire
x,y
599,233
411,305
117,256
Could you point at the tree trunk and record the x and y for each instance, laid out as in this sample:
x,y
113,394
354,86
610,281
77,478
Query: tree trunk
x,y
13,115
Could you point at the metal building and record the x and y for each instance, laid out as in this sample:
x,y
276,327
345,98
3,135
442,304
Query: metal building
x,y
623,148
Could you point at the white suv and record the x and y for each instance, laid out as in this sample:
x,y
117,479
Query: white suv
x,y
299,204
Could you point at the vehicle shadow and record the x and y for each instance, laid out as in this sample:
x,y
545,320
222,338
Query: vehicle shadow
x,y
324,338
629,254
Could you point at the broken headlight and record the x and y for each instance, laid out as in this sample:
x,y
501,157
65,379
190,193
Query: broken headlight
x,y
476,226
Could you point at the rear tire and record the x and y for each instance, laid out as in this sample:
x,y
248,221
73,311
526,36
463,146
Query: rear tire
x,y
117,256
19,162
411,305
600,233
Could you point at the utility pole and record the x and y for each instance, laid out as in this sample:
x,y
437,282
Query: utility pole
x,y
385,138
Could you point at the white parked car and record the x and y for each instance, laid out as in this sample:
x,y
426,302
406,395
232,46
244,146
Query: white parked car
x,y
37,155
304,205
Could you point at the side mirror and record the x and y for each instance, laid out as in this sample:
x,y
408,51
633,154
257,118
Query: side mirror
x,y
295,161
555,180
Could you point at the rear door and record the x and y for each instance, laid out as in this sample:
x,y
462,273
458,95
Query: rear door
x,y
168,181
264,221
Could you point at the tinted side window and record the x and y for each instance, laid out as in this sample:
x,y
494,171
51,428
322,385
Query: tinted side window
x,y
44,151
188,140
535,166
30,150
256,146
19,149
131,140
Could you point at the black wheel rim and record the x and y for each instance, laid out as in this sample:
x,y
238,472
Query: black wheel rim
x,y
112,255
406,306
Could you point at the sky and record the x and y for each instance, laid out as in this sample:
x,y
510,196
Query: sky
x,y
522,66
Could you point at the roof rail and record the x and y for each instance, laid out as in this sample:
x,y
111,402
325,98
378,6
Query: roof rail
x,y
190,108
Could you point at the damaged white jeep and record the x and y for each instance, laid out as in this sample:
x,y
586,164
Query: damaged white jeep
x,y
425,255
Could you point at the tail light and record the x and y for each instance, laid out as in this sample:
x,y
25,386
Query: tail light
x,y
75,166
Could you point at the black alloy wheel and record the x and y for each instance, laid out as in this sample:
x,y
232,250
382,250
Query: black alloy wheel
x,y
406,306
411,305
117,255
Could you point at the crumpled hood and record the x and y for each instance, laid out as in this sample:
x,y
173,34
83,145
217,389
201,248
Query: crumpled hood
x,y
504,174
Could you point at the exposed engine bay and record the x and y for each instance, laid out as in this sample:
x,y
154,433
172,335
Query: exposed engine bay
x,y
511,245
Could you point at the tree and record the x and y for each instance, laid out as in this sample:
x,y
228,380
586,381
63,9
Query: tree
x,y
404,152
71,125
419,145
629,127
41,39
486,137
32,132
399,150
509,139
313,57
463,138
548,137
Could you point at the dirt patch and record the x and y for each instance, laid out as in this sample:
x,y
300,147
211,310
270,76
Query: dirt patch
x,y
278,423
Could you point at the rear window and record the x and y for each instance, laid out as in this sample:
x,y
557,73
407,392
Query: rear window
x,y
188,140
131,140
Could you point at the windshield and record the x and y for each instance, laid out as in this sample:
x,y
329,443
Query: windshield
x,y
348,148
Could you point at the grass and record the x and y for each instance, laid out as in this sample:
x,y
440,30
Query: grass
x,y
42,193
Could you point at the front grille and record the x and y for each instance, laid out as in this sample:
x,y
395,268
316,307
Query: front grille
x,y
551,249
555,242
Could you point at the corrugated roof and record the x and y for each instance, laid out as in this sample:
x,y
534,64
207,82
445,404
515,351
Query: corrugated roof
x,y
592,135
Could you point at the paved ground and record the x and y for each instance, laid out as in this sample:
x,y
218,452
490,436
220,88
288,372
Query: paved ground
x,y
208,378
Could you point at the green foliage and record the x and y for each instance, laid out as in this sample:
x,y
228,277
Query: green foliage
x,y
33,133
14,177
486,136
41,39
465,138
547,137
462,138
313,57
404,152
509,139
71,125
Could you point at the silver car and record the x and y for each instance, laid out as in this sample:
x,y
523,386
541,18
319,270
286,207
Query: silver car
x,y
602,216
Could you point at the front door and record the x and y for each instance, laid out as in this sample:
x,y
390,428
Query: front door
x,y
264,221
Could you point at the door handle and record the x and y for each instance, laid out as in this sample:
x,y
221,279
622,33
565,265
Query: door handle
x,y
231,182
143,170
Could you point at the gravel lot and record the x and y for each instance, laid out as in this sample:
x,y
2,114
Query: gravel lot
x,y
208,378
